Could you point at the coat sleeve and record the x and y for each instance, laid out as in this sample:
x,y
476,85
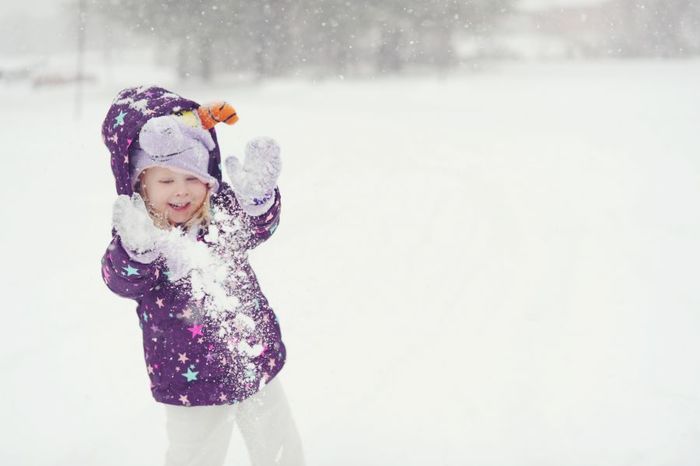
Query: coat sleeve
x,y
125,276
263,226
260,227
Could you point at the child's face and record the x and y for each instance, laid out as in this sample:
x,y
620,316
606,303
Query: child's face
x,y
175,195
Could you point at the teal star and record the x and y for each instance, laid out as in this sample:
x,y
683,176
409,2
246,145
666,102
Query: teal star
x,y
145,317
119,119
190,375
130,271
168,274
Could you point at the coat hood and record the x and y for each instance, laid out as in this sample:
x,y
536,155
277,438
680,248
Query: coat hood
x,y
129,111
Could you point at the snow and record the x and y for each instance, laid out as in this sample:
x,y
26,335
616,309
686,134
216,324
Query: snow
x,y
493,269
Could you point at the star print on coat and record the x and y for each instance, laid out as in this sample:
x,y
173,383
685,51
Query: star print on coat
x,y
129,270
183,357
184,400
196,330
119,119
190,375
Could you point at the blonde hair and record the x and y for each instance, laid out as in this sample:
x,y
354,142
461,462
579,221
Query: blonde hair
x,y
201,217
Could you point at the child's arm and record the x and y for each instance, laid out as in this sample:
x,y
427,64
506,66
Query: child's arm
x,y
261,226
254,186
125,276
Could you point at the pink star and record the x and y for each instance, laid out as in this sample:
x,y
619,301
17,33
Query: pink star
x,y
200,340
223,397
113,138
196,330
157,273
159,302
183,357
126,159
271,363
187,313
184,400
209,357
150,369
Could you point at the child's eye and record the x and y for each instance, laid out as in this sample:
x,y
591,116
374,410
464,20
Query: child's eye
x,y
192,178
166,181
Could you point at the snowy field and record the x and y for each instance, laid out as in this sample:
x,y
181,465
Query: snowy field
x,y
490,269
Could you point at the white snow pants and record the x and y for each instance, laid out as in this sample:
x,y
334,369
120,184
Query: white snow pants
x,y
200,435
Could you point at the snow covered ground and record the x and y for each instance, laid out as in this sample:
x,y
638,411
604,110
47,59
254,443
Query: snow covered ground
x,y
495,269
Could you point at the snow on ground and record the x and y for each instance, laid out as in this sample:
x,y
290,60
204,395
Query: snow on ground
x,y
489,269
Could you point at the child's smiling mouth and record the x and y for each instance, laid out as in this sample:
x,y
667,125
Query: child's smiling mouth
x,y
179,207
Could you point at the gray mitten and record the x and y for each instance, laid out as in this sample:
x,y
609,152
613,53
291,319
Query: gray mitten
x,y
136,229
144,242
254,182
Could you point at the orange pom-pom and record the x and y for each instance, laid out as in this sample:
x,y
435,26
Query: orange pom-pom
x,y
218,112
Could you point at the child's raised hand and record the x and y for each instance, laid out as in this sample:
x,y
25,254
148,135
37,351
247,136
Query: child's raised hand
x,y
254,182
134,225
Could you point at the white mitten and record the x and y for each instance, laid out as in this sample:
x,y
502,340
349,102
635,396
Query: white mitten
x,y
144,242
254,182
136,229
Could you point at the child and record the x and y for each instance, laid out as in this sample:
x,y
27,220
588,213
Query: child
x,y
212,344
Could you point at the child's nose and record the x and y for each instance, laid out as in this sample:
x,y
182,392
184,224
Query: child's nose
x,y
181,189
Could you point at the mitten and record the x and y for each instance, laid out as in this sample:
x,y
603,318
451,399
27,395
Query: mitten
x,y
144,242
139,235
254,182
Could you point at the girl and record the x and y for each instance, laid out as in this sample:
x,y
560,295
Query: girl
x,y
212,344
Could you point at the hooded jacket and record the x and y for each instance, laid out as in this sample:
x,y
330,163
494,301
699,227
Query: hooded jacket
x,y
193,356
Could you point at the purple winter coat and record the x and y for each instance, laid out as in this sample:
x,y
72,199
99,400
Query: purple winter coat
x,y
188,360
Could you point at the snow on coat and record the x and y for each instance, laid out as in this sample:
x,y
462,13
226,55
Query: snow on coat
x,y
209,338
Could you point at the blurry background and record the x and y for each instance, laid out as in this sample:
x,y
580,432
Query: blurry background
x,y
489,241
331,38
